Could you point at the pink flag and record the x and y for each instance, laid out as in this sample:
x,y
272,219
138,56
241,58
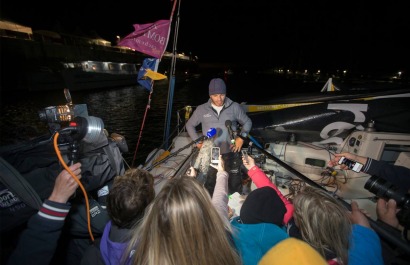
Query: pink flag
x,y
151,38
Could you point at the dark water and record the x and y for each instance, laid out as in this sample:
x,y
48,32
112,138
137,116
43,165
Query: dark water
x,y
123,109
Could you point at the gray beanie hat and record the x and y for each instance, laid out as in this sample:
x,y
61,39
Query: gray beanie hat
x,y
217,86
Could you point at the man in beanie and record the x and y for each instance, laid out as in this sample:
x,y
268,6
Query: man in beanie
x,y
220,112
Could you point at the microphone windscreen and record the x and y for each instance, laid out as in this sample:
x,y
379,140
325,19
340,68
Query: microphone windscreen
x,y
228,123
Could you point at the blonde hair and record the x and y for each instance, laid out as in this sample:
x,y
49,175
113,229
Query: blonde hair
x,y
323,222
182,227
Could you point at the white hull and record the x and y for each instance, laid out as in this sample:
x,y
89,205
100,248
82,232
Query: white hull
x,y
297,139
175,162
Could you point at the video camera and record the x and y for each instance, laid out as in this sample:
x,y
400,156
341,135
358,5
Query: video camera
x,y
82,138
72,121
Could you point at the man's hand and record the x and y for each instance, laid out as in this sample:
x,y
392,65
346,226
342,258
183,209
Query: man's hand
x,y
358,217
386,212
248,163
65,185
335,160
237,146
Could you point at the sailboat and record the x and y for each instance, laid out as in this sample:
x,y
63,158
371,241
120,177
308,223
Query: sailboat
x,y
293,137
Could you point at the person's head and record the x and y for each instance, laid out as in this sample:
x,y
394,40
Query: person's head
x,y
129,195
263,205
183,227
323,222
292,251
217,91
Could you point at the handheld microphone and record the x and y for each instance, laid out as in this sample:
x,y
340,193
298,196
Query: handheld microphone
x,y
211,133
228,124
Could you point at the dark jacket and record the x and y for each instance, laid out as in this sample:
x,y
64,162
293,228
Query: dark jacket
x,y
39,241
208,118
399,176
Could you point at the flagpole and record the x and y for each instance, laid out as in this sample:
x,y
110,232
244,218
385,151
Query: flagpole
x,y
168,113
152,39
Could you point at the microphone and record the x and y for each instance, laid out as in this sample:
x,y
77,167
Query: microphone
x,y
211,133
228,124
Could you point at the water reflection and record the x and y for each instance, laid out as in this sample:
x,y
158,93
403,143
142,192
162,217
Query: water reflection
x,y
122,111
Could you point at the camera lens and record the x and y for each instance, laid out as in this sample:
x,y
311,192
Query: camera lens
x,y
384,189
94,128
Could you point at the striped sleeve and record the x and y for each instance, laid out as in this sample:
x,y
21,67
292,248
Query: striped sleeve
x,y
54,211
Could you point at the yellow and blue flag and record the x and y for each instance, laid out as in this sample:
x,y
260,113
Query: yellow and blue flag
x,y
148,73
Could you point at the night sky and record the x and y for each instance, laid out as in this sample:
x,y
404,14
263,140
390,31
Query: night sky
x,y
295,34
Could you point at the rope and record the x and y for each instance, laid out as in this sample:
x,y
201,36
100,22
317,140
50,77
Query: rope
x,y
143,123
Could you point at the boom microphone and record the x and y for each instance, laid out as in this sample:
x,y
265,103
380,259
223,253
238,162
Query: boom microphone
x,y
228,125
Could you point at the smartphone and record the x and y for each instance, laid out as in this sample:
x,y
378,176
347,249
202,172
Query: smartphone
x,y
245,155
215,151
351,164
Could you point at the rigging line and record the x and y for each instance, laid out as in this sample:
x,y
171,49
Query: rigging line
x,y
143,123
168,112
157,150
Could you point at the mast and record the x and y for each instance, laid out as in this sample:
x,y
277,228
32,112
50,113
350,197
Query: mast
x,y
171,87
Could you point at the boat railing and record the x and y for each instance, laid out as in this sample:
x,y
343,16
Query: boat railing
x,y
180,129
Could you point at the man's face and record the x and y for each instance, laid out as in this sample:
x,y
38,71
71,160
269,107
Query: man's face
x,y
218,99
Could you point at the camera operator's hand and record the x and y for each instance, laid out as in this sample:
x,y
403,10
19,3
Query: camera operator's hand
x,y
65,185
357,216
220,166
386,211
248,162
335,160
